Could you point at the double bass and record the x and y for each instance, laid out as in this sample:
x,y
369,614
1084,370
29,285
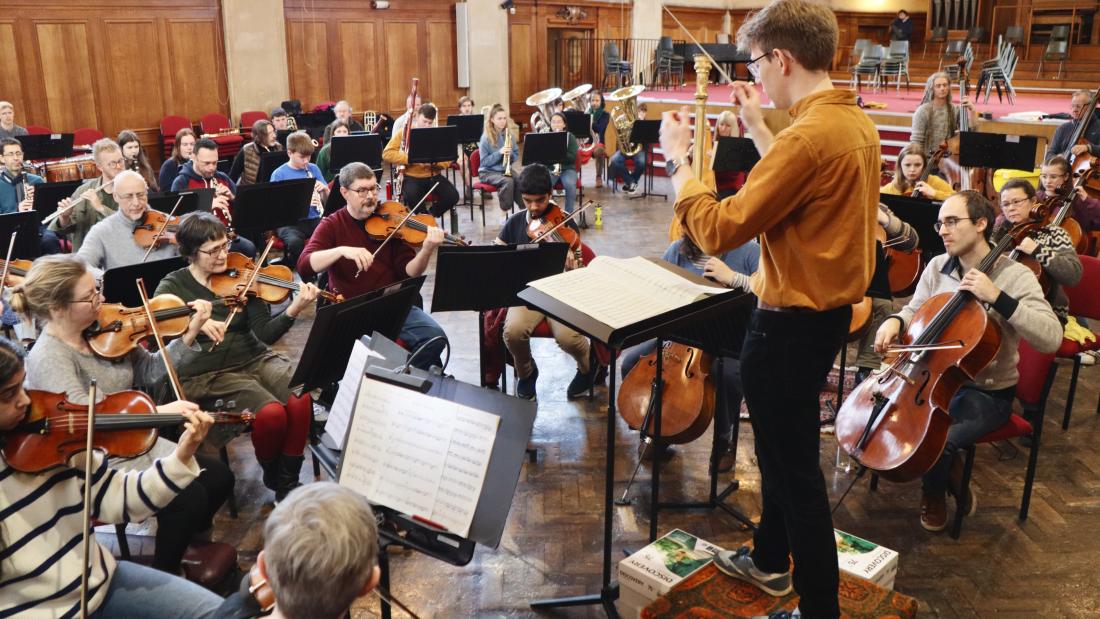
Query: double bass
x,y
1081,163
896,421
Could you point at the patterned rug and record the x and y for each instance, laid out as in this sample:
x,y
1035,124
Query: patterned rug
x,y
710,594
827,397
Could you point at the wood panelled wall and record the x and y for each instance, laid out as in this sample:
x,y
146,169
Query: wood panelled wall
x,y
343,49
112,66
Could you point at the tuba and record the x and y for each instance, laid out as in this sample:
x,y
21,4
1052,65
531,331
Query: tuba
x,y
543,102
291,123
579,99
623,117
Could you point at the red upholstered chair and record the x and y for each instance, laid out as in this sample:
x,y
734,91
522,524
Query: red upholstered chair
x,y
228,145
1083,301
1037,372
249,118
38,130
169,126
486,188
86,136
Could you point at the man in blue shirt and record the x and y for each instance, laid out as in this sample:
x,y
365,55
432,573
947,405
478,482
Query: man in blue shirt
x,y
732,269
299,147
17,189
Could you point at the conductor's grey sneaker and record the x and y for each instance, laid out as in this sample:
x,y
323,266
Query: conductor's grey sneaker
x,y
738,563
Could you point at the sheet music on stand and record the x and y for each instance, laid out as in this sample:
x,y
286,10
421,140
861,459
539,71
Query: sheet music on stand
x,y
418,454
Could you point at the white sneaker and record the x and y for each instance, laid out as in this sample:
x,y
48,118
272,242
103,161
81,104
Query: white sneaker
x,y
1088,357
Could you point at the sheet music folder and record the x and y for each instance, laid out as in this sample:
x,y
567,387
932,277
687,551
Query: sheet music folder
x,y
691,321
517,419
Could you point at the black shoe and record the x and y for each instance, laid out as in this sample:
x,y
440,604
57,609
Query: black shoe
x,y
525,387
862,374
581,382
290,468
271,471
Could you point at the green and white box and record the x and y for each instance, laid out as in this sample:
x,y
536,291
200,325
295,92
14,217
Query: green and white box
x,y
660,566
867,560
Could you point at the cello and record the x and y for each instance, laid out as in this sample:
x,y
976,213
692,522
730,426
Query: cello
x,y
896,421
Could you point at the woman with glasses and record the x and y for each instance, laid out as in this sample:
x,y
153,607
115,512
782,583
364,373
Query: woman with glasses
x,y
61,291
237,362
1056,178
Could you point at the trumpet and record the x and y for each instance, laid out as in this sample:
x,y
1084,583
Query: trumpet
x,y
543,101
508,148
623,117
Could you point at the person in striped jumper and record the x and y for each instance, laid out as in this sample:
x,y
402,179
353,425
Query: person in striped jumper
x,y
41,525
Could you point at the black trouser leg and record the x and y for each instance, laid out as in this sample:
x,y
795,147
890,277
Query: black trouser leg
x,y
191,511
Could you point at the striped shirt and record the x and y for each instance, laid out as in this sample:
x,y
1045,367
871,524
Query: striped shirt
x,y
40,530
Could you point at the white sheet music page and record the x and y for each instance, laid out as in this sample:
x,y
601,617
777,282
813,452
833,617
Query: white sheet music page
x,y
340,412
464,474
619,292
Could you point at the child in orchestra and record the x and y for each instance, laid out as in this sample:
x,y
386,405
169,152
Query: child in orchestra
x,y
280,119
62,292
182,149
17,190
338,128
491,158
40,550
246,165
419,177
111,243
617,166
600,118
355,265
300,148
8,128
565,171
136,160
466,108
1056,178
731,269
202,173
938,119
902,237
306,559
908,169
238,363
1016,305
534,184
92,201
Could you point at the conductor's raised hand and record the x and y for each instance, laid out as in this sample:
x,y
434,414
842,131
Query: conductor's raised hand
x,y
746,96
676,133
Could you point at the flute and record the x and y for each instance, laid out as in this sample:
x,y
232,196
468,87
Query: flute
x,y
54,215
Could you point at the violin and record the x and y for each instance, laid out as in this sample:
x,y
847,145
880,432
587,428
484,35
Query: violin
x,y
687,394
156,229
125,426
16,271
391,219
272,283
118,329
896,421
551,226
1059,207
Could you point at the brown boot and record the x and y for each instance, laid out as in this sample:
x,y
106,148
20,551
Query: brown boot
x,y
933,511
726,460
965,500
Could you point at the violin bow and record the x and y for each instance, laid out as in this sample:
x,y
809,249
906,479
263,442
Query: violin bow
x,y
172,376
568,218
86,536
7,260
160,232
400,224
243,294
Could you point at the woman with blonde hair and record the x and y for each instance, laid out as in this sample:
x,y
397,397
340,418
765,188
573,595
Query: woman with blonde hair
x,y
908,169
491,151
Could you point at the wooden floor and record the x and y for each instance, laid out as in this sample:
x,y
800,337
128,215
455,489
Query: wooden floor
x,y
1044,567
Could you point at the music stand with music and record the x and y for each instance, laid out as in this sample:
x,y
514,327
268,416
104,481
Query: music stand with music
x,y
363,148
193,200
118,283
269,162
433,145
47,195
268,206
997,151
647,133
470,128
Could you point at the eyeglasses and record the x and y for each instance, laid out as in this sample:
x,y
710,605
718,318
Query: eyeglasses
x,y
949,223
754,69
117,163
1005,203
365,191
140,196
93,298
216,250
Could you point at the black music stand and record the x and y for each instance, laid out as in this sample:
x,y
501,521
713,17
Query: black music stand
x,y
512,267
922,214
269,162
28,244
338,325
47,195
267,206
280,136
358,147
193,200
735,155
545,148
647,133
713,308
433,144
46,146
579,124
996,151
470,128
517,418
118,283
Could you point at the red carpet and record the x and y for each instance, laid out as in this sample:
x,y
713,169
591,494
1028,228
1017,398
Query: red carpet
x,y
896,102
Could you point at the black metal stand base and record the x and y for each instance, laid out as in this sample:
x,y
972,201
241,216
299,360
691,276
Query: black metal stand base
x,y
647,186
606,598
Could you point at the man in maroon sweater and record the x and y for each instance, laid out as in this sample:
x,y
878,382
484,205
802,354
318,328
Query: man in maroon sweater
x,y
340,245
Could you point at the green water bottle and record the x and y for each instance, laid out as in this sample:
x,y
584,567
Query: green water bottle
x,y
599,216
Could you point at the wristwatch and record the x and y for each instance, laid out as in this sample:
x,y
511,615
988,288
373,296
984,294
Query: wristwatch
x,y
674,164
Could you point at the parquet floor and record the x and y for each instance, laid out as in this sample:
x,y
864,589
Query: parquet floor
x,y
1044,567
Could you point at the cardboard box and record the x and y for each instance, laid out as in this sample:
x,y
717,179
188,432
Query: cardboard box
x,y
660,566
861,558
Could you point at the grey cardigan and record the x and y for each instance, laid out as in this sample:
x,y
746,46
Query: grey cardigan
x,y
110,244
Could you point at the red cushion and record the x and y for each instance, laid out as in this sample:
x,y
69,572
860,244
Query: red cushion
x,y
485,187
1015,426
542,330
1070,348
